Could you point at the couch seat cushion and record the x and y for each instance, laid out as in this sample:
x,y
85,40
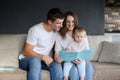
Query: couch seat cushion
x,y
20,74
106,71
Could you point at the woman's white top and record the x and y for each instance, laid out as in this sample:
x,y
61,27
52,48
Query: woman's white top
x,y
63,43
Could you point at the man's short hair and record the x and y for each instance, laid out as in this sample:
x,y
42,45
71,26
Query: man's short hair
x,y
55,13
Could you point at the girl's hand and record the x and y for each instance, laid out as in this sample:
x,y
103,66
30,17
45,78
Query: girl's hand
x,y
78,61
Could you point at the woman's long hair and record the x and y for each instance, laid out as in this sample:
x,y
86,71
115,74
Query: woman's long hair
x,y
64,29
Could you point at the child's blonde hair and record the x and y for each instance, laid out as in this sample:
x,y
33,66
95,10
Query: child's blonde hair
x,y
80,30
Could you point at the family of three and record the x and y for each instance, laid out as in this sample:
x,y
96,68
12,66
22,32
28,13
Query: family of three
x,y
46,39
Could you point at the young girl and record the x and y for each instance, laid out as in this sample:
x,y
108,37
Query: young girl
x,y
79,44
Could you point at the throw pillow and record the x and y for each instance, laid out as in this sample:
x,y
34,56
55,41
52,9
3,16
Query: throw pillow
x,y
110,52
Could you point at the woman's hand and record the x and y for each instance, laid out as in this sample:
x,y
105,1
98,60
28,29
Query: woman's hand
x,y
78,61
57,58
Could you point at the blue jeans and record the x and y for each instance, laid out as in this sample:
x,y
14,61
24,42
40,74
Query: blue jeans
x,y
81,68
74,75
34,65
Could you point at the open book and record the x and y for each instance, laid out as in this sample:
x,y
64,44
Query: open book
x,y
70,55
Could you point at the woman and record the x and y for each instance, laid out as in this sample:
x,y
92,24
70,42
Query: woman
x,y
64,37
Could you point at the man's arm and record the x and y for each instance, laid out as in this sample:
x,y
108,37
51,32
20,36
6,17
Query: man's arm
x,y
28,51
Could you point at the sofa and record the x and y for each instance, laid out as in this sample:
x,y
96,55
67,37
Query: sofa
x,y
106,57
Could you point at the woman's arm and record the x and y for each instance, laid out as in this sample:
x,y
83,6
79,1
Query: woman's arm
x,y
57,58
57,48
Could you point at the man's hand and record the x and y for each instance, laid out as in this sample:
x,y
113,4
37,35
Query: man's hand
x,y
47,59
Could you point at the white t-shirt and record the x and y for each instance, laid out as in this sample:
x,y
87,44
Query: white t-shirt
x,y
42,39
78,47
62,43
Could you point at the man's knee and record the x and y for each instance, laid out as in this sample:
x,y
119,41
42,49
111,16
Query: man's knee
x,y
35,61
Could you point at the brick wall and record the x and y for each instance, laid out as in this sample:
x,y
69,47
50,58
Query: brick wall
x,y
112,19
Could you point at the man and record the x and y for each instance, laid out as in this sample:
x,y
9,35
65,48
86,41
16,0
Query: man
x,y
38,48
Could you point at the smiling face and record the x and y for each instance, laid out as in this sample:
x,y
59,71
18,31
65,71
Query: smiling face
x,y
57,24
70,23
55,19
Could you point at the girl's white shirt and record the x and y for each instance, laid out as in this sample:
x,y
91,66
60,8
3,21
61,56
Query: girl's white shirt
x,y
78,47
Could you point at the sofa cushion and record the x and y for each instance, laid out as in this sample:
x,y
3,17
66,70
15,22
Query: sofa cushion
x,y
106,71
110,52
20,74
9,57
8,41
95,42
10,46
